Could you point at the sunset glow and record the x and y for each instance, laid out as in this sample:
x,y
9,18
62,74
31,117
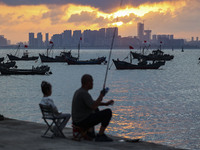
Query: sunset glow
x,y
54,19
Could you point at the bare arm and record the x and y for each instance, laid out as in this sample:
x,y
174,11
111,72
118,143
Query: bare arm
x,y
110,102
98,102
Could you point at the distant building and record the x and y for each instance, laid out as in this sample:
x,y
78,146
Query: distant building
x,y
31,40
3,41
67,38
46,39
110,34
57,40
76,37
39,40
147,35
140,31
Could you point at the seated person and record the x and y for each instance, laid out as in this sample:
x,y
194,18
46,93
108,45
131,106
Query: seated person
x,y
84,109
46,100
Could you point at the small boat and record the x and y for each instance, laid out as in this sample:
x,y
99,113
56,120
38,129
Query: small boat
x,y
182,50
61,58
120,65
25,56
10,64
155,55
1,59
42,70
97,61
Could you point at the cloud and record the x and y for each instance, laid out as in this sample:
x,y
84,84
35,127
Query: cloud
x,y
172,17
103,5
88,18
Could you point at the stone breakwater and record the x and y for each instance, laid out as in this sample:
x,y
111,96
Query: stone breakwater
x,y
18,135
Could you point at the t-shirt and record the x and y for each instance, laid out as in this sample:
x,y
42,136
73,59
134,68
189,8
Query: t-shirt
x,y
81,105
48,101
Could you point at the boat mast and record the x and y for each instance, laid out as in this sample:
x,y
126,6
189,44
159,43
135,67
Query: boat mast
x,y
17,50
79,45
130,58
51,44
160,44
109,57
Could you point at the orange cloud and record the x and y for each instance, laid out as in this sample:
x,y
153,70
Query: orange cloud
x,y
17,21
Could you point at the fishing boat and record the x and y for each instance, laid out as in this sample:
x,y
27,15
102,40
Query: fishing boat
x,y
155,55
10,64
1,59
96,61
120,65
61,58
142,63
42,70
25,56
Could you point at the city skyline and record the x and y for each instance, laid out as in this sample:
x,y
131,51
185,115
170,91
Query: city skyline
x,y
177,17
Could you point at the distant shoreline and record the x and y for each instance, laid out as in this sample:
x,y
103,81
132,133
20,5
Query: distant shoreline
x,y
121,47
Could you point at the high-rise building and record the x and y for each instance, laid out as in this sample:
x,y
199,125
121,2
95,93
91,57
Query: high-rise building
x,y
171,37
3,41
147,35
31,40
87,37
46,39
140,31
76,36
39,40
57,40
109,35
67,38
100,39
110,32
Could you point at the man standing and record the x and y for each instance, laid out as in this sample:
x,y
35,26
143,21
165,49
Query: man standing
x,y
84,109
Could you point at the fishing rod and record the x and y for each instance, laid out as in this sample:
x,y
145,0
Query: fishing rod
x,y
104,84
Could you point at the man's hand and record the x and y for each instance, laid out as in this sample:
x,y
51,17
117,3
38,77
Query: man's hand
x,y
104,91
110,102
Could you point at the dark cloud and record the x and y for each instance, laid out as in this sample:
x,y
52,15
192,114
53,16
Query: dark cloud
x,y
87,18
104,5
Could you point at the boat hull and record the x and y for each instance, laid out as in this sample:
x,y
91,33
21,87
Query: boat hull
x,y
1,59
8,64
11,57
59,59
122,65
48,59
97,61
43,70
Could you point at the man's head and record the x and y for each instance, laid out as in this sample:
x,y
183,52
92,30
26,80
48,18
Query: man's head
x,y
46,88
87,81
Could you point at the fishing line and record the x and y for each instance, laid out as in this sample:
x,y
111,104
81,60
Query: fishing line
x,y
104,85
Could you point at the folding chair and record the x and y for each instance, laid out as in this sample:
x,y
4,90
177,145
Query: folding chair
x,y
49,115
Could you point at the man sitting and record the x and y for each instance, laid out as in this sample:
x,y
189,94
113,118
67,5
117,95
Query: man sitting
x,y
84,109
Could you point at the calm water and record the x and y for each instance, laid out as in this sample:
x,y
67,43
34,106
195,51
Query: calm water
x,y
159,106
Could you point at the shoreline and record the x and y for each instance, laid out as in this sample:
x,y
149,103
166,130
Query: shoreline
x,y
17,134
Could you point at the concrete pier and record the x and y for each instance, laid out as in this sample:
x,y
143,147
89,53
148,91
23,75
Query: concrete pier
x,y
23,135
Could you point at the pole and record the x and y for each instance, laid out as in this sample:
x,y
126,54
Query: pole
x,y
104,84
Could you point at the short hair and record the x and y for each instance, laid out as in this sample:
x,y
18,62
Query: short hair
x,y
46,87
85,79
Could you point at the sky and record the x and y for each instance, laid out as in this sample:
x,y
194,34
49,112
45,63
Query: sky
x,y
19,17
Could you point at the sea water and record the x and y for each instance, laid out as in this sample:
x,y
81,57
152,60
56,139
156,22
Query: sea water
x,y
160,106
